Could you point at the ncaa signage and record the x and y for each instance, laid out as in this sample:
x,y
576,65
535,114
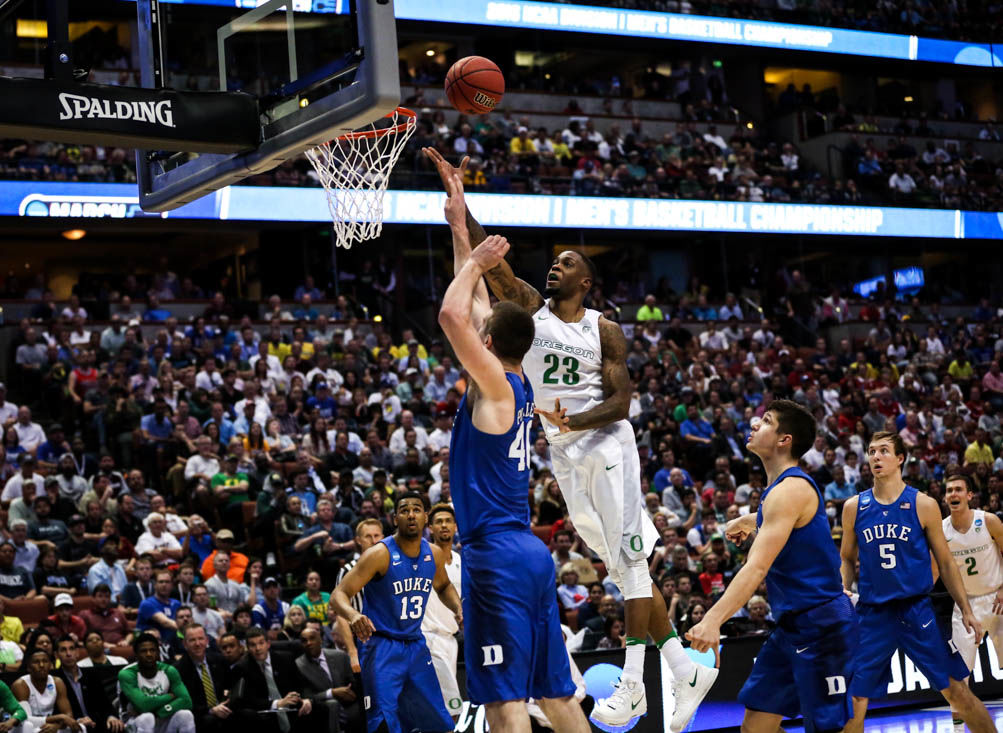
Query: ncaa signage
x,y
84,207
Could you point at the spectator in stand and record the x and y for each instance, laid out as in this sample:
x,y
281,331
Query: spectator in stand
x,y
570,592
270,614
105,618
139,590
162,546
26,551
29,434
205,616
50,581
64,621
107,572
226,594
649,311
159,610
97,655
466,144
238,561
13,489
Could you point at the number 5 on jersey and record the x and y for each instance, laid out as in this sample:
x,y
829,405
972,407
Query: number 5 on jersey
x,y
887,553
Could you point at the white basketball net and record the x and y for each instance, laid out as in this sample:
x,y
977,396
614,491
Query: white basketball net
x,y
355,170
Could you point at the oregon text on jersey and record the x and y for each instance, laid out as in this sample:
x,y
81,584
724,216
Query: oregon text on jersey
x,y
971,550
566,348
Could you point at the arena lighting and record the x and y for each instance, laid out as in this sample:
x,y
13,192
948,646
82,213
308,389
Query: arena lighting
x,y
31,28
74,234
430,52
377,318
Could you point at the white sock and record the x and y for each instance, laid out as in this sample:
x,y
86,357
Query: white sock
x,y
633,667
679,661
959,725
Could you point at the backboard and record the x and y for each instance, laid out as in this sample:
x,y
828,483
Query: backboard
x,y
314,76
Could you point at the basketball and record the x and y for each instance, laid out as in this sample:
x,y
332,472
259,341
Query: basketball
x,y
475,85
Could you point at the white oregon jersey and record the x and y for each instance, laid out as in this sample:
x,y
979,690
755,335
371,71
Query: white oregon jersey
x,y
565,362
439,619
41,702
976,555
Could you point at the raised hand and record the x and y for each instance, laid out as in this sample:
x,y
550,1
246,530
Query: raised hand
x,y
456,205
443,167
490,252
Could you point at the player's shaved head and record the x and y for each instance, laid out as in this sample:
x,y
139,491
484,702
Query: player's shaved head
x,y
571,276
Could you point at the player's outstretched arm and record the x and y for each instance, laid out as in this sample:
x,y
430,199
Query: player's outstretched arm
x,y
615,380
484,367
789,501
468,233
444,588
375,560
455,210
929,517
848,545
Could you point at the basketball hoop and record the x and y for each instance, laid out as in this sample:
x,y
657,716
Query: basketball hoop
x,y
355,168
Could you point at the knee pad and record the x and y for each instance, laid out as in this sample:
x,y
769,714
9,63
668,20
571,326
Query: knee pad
x,y
635,581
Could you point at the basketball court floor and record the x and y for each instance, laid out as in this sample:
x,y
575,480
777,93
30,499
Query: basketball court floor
x,y
927,720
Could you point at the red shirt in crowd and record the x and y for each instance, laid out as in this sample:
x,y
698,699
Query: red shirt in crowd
x,y
110,623
75,626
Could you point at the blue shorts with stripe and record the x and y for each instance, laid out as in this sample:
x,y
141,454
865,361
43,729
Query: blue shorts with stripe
x,y
910,625
513,645
400,689
805,667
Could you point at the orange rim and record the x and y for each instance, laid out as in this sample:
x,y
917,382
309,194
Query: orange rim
x,y
401,127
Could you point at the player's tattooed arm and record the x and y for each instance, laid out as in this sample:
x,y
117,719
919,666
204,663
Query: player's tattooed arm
x,y
615,379
506,286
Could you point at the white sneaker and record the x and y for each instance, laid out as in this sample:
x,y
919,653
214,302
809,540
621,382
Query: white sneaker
x,y
689,693
620,711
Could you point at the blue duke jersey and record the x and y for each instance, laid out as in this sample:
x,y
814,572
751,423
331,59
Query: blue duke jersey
x,y
395,602
805,665
806,572
490,473
894,554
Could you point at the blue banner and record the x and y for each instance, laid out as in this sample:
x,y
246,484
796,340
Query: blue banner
x,y
670,26
81,201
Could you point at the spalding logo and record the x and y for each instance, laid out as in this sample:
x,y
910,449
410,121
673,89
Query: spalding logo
x,y
484,100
